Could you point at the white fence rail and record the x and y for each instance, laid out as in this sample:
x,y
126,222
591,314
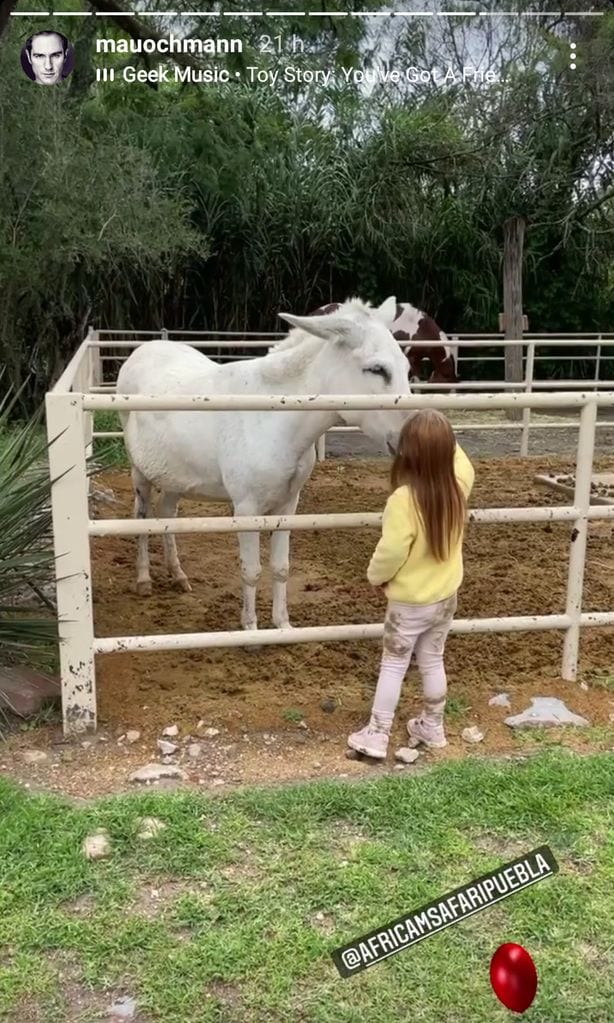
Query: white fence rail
x,y
226,341
70,406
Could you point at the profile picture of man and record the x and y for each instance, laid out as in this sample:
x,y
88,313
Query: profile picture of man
x,y
47,57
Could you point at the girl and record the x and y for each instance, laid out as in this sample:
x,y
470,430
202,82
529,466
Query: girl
x,y
419,564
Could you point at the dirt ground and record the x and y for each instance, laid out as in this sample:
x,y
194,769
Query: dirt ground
x,y
283,713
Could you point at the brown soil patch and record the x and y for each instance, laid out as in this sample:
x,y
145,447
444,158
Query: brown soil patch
x,y
508,848
79,1003
324,923
595,957
158,898
82,906
253,696
226,994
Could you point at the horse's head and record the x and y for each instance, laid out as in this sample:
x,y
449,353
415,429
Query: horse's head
x,y
445,372
440,358
361,357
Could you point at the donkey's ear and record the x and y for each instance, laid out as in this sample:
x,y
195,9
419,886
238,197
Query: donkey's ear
x,y
387,311
311,324
329,327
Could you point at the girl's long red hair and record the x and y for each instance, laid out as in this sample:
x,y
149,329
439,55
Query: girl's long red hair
x,y
425,462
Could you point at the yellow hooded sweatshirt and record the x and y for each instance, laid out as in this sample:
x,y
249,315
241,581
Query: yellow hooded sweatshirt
x,y
402,558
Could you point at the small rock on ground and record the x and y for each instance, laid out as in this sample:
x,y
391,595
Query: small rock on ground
x,y
25,691
97,845
472,734
171,730
150,827
406,755
123,1008
154,772
211,732
194,750
133,735
545,712
167,748
328,705
33,756
104,495
500,700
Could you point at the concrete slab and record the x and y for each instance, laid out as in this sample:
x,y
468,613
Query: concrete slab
x,y
545,712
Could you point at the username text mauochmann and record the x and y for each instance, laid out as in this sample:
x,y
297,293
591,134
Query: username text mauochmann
x,y
172,44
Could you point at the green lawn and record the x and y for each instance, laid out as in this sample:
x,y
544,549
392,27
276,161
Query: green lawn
x,y
252,891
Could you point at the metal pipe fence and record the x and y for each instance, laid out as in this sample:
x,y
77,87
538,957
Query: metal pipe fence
x,y
70,407
227,341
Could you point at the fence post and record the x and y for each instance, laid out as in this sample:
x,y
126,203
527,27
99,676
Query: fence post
x,y
69,506
526,412
321,448
95,360
577,550
598,362
85,381
95,379
455,357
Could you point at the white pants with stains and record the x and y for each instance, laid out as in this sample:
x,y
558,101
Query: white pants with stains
x,y
420,629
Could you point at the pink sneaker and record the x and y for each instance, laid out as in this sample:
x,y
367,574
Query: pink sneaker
x,y
420,731
370,742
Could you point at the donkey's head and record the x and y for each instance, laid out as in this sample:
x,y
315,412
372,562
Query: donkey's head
x,y
360,357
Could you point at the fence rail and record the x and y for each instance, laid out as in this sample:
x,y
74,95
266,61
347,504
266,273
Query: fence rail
x,y
229,341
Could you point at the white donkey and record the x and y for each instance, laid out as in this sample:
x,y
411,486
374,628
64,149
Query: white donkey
x,y
259,461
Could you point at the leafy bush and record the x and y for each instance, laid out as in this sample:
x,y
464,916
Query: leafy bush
x,y
26,540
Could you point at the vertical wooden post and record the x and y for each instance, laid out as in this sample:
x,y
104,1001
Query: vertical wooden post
x,y
513,249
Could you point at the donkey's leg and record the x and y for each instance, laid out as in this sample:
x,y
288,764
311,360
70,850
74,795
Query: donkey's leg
x,y
280,566
167,509
142,510
249,546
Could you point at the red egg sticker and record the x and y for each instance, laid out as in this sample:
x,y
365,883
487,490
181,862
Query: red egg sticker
x,y
513,977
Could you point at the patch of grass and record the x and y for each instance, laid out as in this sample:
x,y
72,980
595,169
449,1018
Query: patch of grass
x,y
28,631
110,450
457,706
293,714
600,680
596,736
231,912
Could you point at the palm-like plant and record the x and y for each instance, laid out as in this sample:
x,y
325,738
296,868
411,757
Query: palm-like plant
x,y
26,540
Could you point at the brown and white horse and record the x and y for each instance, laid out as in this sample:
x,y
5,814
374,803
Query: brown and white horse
x,y
412,324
